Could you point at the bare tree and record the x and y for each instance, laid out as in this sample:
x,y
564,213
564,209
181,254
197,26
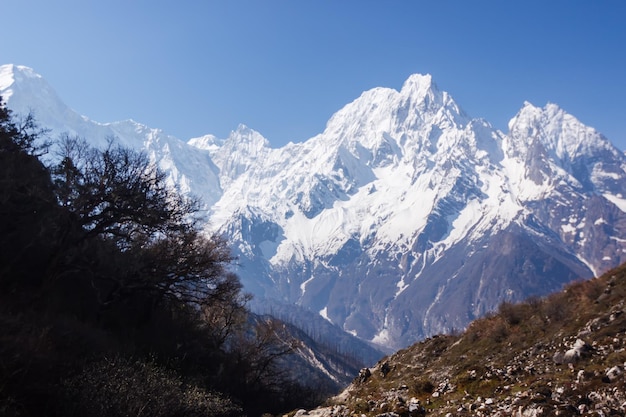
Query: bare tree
x,y
259,353
117,193
119,197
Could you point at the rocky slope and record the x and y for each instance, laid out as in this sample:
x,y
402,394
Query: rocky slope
x,y
560,355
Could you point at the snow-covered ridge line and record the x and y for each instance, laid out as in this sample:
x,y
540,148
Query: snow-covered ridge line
x,y
403,218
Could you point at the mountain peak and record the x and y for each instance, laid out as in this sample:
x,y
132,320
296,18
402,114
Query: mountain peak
x,y
419,82
24,91
549,111
382,109
245,135
10,73
426,101
419,86
242,129
207,142
562,135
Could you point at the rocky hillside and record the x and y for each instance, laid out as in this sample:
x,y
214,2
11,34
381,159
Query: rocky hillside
x,y
560,355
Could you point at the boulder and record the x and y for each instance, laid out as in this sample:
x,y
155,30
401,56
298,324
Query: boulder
x,y
580,350
614,373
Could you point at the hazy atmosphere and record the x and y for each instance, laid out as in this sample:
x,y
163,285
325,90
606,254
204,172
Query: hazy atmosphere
x,y
284,67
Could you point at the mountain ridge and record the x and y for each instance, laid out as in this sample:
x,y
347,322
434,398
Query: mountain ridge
x,y
405,217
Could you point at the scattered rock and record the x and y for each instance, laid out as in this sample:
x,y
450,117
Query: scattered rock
x,y
385,369
364,375
613,374
580,350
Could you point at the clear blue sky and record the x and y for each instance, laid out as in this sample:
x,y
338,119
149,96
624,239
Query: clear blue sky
x,y
283,67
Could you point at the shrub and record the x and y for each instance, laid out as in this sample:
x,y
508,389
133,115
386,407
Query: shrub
x,y
499,331
511,313
122,387
557,308
424,386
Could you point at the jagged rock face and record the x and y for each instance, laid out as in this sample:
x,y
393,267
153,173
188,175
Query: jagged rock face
x,y
405,217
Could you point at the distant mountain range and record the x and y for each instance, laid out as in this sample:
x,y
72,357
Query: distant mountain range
x,y
404,218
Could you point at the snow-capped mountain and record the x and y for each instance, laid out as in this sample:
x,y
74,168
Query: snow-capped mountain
x,y
191,171
405,217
